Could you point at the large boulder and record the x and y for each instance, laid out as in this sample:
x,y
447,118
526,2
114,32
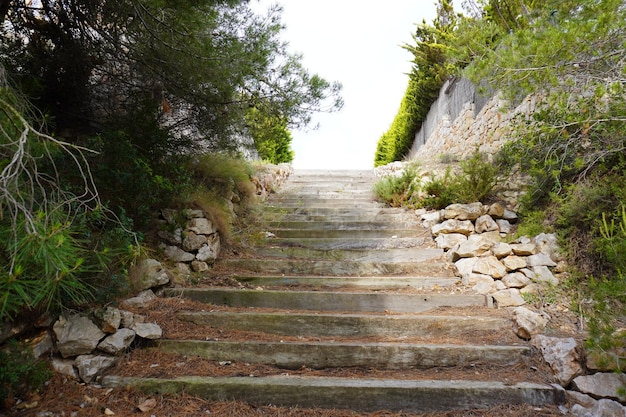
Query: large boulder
x,y
602,385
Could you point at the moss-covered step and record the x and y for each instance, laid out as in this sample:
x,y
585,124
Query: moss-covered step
x,y
329,301
370,283
418,396
349,325
322,355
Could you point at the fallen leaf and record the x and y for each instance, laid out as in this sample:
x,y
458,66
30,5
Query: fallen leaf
x,y
147,405
108,412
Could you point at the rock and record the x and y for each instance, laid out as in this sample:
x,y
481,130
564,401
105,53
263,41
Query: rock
x,y
201,226
432,218
484,287
504,226
602,384
176,254
198,266
575,397
499,285
169,215
41,344
527,323
475,245
91,366
150,274
515,280
524,249
182,272
540,259
76,335
110,319
192,242
489,265
531,288
543,274
464,227
486,224
510,216
171,238
501,250
602,408
563,356
140,300
118,342
514,262
210,251
547,244
193,214
473,279
530,274
465,266
447,241
64,367
508,298
470,211
148,330
496,211
128,318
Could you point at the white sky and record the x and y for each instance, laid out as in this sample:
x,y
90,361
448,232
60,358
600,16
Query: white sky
x,y
355,42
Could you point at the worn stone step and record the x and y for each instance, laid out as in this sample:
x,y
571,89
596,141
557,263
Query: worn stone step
x,y
329,301
427,266
348,325
322,355
352,234
313,202
359,212
345,225
375,255
346,243
419,396
275,219
370,283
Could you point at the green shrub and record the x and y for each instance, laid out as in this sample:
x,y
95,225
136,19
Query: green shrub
x,y
398,191
440,192
20,372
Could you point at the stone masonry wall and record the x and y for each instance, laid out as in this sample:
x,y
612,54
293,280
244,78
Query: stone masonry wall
x,y
477,125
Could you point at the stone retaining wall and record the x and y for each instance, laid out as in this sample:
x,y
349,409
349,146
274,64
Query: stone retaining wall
x,y
459,123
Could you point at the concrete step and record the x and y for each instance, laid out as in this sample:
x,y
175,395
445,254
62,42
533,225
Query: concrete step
x,y
360,211
342,233
369,283
349,325
367,395
329,301
322,355
314,202
376,255
276,218
347,243
427,266
392,223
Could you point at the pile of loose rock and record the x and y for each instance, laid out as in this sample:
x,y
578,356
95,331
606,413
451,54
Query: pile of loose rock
x,y
84,345
474,238
472,234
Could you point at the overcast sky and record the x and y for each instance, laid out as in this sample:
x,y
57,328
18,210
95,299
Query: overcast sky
x,y
358,44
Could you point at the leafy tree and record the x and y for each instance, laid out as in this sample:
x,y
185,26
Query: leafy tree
x,y
272,139
430,70
152,80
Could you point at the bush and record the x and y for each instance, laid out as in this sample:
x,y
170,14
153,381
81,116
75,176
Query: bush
x,y
20,373
398,191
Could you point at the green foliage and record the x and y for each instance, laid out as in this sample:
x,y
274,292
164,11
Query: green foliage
x,y
474,183
608,308
272,139
429,72
20,372
398,191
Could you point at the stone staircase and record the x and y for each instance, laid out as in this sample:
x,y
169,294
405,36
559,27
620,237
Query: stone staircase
x,y
358,291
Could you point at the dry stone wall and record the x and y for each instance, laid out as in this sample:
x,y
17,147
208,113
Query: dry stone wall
x,y
459,123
